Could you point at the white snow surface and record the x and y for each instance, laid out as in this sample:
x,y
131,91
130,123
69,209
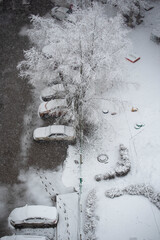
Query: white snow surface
x,y
126,217
67,207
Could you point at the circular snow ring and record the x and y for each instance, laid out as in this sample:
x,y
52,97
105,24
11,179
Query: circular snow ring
x,y
103,158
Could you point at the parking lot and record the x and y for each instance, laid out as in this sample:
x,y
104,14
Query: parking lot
x,y
15,97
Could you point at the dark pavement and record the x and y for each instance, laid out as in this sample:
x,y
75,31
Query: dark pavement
x,y
15,97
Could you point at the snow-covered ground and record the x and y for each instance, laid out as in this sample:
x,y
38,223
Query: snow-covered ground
x,y
127,217
67,207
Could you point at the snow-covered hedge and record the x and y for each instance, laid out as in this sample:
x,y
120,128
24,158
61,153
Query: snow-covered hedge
x,y
114,192
90,217
137,189
123,166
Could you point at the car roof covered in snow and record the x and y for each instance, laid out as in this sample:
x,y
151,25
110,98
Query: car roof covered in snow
x,y
59,12
62,9
23,237
52,104
53,129
43,132
53,89
34,211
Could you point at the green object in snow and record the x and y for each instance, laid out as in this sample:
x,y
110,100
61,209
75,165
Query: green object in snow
x,y
139,125
136,127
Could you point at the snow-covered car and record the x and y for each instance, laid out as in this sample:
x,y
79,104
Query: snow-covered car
x,y
55,133
23,237
54,108
33,216
54,92
61,13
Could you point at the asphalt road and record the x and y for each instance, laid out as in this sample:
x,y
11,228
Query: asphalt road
x,y
15,97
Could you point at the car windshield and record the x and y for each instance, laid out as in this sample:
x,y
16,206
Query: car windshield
x,y
52,135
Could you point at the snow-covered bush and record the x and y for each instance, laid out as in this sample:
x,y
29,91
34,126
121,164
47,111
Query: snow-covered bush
x,y
122,168
123,165
114,192
136,189
132,10
99,177
109,175
87,51
90,217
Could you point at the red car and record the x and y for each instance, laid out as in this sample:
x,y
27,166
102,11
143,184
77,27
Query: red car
x,y
54,108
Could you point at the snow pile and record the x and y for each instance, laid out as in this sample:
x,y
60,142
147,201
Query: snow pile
x,y
90,217
137,189
122,168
